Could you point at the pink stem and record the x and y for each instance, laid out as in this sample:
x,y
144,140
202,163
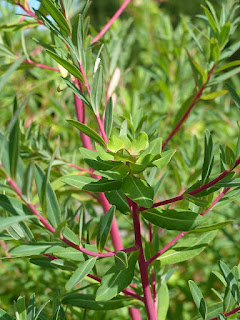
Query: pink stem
x,y
85,78
39,65
181,234
29,12
101,127
77,167
107,254
148,301
198,96
227,313
111,21
193,192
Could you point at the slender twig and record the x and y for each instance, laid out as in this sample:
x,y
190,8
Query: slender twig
x,y
195,100
29,12
111,21
195,191
181,234
40,65
107,254
227,313
143,266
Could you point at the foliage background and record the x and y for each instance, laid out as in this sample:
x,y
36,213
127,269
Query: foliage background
x,y
155,78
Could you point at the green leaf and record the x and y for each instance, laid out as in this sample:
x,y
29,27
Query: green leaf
x,y
56,15
94,160
233,94
35,249
4,315
115,144
228,301
27,181
211,20
21,313
69,254
31,308
221,317
139,143
114,281
208,157
187,248
14,144
214,95
181,220
78,37
14,206
88,131
104,228
224,34
118,199
42,262
51,208
108,120
97,90
87,301
70,235
162,301
63,264
166,157
138,191
231,281
198,201
41,309
227,66
121,260
198,299
115,173
10,71
78,93
215,50
211,227
90,184
8,222
81,272
67,65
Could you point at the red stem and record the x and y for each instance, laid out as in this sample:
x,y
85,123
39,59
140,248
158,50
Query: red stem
x,y
29,12
193,192
40,65
198,96
181,234
227,313
148,301
111,21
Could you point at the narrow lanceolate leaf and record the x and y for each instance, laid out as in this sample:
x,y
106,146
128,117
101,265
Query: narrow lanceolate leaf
x,y
78,37
233,94
21,312
181,220
221,317
88,131
118,199
97,90
163,301
213,95
52,212
224,34
211,20
187,248
35,249
56,15
108,118
4,315
14,206
31,308
104,228
67,65
27,181
14,144
138,191
166,156
121,260
208,157
78,93
90,184
8,222
80,273
10,71
211,227
115,280
198,299
231,281
87,301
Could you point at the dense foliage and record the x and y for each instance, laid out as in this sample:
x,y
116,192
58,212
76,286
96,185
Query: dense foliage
x,y
151,140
